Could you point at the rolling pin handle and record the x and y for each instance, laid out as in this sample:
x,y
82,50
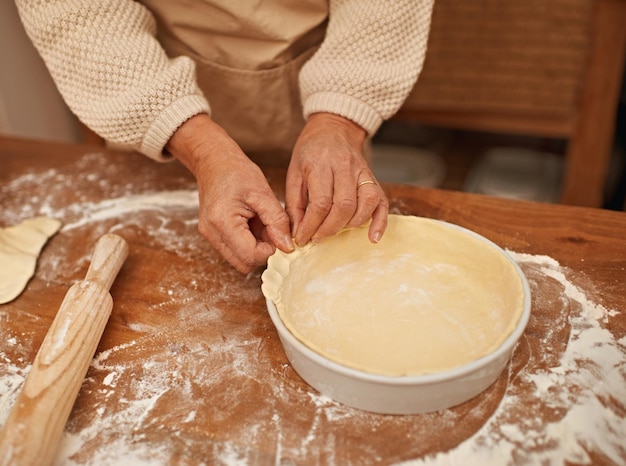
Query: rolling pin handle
x,y
109,254
31,432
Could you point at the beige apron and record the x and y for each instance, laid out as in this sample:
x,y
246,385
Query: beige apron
x,y
248,56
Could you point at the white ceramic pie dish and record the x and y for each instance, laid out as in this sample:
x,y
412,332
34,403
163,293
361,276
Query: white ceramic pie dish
x,y
403,394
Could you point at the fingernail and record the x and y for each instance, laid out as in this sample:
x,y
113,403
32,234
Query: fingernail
x,y
288,242
376,237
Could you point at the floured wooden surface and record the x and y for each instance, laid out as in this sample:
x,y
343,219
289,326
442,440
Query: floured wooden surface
x,y
190,369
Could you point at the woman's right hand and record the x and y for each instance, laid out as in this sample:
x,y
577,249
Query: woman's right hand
x,y
239,213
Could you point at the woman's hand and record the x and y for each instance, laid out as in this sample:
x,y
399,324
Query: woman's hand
x,y
239,214
329,183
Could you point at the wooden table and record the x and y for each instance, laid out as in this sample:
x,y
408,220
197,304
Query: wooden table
x,y
190,369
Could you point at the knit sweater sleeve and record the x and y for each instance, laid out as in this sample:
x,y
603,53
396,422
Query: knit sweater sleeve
x,y
111,71
369,60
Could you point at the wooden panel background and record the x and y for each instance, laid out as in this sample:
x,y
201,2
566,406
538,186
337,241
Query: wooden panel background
x,y
501,56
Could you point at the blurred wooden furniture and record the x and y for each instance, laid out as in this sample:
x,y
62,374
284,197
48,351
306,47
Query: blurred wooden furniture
x,y
539,68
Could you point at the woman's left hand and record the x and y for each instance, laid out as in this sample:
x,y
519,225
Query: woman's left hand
x,y
330,184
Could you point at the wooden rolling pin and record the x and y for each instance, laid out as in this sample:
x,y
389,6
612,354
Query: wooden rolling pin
x,y
34,426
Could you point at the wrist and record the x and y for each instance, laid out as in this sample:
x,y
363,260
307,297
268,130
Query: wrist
x,y
325,121
191,143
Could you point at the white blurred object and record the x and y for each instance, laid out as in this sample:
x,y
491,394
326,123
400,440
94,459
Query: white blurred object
x,y
517,173
394,163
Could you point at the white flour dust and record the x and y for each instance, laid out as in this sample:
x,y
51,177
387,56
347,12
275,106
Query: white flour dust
x,y
162,213
114,208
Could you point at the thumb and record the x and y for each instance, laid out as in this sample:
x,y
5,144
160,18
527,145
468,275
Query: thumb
x,y
276,222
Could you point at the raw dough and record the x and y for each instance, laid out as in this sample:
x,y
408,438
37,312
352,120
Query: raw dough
x,y
429,297
20,246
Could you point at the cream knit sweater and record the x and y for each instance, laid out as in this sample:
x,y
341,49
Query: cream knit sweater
x,y
114,75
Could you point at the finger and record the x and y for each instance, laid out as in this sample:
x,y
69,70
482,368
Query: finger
x,y
343,208
379,220
320,202
275,220
241,248
369,196
296,200
262,226
231,235
258,230
252,259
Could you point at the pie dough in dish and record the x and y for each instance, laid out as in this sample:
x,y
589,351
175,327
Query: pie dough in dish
x,y
428,298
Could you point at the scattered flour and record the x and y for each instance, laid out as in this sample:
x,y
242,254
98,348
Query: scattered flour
x,y
115,208
11,380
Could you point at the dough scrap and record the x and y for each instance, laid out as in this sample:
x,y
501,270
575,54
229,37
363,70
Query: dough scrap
x,y
20,246
427,298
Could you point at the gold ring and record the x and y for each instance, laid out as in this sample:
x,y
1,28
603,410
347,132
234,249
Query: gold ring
x,y
365,182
